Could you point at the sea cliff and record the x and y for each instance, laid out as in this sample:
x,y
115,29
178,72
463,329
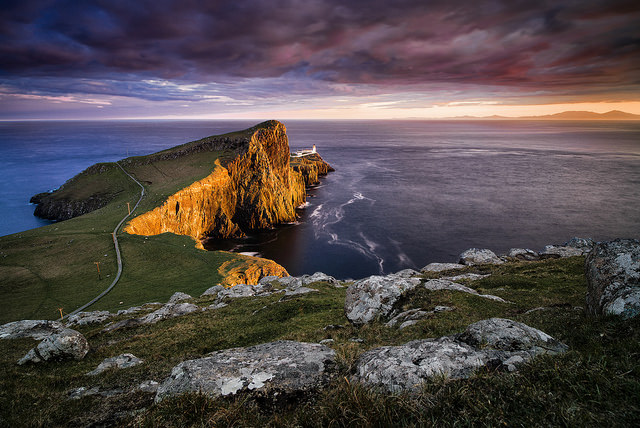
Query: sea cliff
x,y
255,189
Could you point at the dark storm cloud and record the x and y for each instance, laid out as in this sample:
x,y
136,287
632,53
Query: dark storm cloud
x,y
520,44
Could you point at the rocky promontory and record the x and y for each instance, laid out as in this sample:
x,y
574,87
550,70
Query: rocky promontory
x,y
252,185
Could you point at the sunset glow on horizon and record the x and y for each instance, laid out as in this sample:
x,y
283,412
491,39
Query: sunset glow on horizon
x,y
322,59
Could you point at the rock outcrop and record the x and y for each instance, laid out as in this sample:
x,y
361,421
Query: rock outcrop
x,y
256,190
249,270
311,167
277,368
613,278
121,361
35,329
67,344
84,318
494,343
375,296
478,256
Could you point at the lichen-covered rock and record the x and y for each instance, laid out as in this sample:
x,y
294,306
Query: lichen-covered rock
x,y
586,244
445,284
440,267
36,329
121,361
468,276
375,296
406,273
613,278
212,291
523,254
479,256
179,296
319,277
283,367
493,343
240,290
508,335
84,318
170,310
560,251
67,344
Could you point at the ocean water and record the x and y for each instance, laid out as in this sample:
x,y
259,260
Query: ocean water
x,y
404,194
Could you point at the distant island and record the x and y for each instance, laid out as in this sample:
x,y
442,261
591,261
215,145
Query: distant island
x,y
565,115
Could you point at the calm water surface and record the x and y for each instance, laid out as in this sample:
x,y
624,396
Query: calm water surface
x,y
405,193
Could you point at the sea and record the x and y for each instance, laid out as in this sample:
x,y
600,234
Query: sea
x,y
404,193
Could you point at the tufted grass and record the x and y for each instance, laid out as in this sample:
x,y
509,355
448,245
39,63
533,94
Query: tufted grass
x,y
596,383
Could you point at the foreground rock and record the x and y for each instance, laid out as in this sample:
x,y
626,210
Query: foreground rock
x,y
375,296
170,310
36,329
494,343
477,256
283,367
440,267
84,318
122,361
445,284
67,344
613,278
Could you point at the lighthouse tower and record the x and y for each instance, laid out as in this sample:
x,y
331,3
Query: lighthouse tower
x,y
313,150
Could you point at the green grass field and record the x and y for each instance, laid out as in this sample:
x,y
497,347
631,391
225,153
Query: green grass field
x,y
54,266
596,383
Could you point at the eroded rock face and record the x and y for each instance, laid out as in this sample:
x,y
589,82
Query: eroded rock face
x,y
256,190
375,296
36,329
283,367
494,343
122,361
613,278
478,256
67,344
249,270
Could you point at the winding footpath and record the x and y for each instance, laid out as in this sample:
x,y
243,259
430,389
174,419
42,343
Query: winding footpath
x,y
115,243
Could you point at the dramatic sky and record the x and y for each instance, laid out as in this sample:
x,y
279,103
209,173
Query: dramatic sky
x,y
316,58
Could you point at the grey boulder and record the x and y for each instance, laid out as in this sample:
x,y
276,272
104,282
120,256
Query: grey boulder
x,y
67,344
494,343
178,297
213,291
283,367
560,251
440,267
479,256
613,278
121,361
375,296
35,329
84,318
523,254
320,277
170,310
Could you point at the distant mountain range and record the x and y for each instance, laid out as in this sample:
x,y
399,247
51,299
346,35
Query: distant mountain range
x,y
565,115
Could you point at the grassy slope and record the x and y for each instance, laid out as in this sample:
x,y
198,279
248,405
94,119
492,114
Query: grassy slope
x,y
53,266
596,383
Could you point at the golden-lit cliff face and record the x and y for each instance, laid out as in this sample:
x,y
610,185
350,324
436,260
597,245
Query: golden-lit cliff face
x,y
256,190
249,270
